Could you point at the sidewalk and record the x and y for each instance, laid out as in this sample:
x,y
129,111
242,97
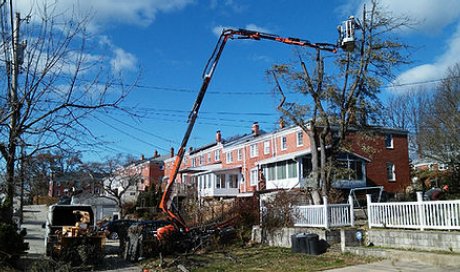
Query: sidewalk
x,y
403,260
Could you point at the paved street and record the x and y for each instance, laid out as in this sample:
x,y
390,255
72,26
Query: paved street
x,y
34,217
392,265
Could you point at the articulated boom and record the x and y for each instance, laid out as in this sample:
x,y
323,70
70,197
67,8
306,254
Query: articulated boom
x,y
166,200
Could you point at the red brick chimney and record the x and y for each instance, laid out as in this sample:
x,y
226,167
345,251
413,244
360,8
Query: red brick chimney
x,y
155,154
218,136
172,152
255,129
282,123
142,157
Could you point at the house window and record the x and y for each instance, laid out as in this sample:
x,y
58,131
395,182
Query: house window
x,y
281,170
201,159
254,179
220,181
254,150
300,138
193,162
292,169
283,143
217,155
391,173
233,181
266,147
229,157
240,154
350,170
209,157
208,181
389,141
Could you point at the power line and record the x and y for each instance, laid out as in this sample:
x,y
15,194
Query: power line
x,y
205,112
129,134
144,131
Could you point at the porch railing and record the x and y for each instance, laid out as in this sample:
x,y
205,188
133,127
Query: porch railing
x,y
415,215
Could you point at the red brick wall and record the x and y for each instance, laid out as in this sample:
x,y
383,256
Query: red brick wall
x,y
371,147
379,155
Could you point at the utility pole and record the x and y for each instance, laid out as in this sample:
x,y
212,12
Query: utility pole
x,y
17,59
14,109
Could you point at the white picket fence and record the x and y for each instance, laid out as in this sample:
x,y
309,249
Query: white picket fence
x,y
415,215
325,216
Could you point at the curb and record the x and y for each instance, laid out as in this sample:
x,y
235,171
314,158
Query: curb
x,y
438,259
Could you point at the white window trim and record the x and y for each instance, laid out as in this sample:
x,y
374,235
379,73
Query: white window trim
x,y
297,138
393,169
229,157
287,178
254,180
391,146
217,155
253,152
282,147
239,154
267,147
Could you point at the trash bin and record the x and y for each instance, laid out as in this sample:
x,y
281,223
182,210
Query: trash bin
x,y
312,240
294,244
299,243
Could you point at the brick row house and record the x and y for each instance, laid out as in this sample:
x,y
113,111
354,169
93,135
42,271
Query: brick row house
x,y
282,160
147,172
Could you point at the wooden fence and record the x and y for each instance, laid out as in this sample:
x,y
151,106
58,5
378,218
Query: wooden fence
x,y
415,215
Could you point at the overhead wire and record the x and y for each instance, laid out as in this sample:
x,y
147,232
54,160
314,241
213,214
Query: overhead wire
x,y
129,134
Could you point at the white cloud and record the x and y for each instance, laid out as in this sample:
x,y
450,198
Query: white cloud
x,y
123,60
257,28
437,69
217,30
431,18
135,12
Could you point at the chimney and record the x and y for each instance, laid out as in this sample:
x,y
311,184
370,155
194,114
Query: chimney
x,y
190,149
172,152
218,136
142,157
155,154
255,129
282,123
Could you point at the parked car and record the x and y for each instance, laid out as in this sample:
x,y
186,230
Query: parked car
x,y
112,228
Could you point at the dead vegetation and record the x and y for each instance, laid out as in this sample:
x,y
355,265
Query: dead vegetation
x,y
252,258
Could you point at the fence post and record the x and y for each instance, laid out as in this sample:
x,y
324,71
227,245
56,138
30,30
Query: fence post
x,y
369,211
352,211
326,212
421,210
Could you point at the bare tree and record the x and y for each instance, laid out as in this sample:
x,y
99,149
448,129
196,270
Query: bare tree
x,y
440,121
405,111
335,101
51,86
117,178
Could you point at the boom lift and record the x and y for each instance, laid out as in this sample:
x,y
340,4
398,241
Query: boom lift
x,y
166,204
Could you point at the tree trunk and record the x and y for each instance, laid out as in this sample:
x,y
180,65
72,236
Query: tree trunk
x,y
322,147
314,166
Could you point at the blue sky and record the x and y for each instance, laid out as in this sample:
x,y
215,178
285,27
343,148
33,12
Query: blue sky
x,y
169,42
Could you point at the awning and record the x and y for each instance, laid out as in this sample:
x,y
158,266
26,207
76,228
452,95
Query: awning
x,y
285,157
228,169
200,169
